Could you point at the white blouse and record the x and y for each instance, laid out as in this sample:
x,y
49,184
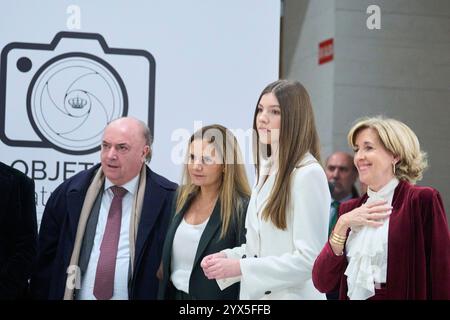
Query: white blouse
x,y
184,249
367,249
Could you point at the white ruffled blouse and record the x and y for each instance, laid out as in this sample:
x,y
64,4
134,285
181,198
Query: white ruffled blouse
x,y
367,249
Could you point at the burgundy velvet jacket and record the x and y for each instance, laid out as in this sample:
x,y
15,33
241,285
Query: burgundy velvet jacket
x,y
418,264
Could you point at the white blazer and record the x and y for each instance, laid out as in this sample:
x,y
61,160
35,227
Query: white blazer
x,y
277,264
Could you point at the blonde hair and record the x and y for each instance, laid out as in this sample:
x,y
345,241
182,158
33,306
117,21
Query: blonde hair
x,y
234,186
298,135
398,139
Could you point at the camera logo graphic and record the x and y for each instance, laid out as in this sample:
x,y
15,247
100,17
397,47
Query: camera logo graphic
x,y
62,95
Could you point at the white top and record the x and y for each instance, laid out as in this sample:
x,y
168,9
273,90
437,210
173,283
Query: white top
x,y
278,263
184,248
123,251
367,250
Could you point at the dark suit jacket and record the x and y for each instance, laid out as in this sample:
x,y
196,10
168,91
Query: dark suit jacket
x,y
59,227
418,248
18,232
200,287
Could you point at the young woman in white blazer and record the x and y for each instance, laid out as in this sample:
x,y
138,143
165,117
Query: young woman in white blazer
x,y
287,217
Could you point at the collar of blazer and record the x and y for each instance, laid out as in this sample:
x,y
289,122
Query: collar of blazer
x,y
262,190
211,228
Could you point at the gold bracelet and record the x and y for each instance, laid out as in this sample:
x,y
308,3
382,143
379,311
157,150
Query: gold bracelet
x,y
337,240
338,236
333,241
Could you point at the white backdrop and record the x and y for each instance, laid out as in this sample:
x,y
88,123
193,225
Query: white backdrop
x,y
187,63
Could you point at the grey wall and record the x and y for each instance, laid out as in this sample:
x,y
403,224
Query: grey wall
x,y
400,71
305,24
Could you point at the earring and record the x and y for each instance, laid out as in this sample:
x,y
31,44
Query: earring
x,y
393,167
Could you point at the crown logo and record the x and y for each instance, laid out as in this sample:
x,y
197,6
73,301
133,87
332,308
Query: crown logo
x,y
77,103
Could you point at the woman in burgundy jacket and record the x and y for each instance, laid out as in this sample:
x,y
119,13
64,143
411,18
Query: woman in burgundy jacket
x,y
393,242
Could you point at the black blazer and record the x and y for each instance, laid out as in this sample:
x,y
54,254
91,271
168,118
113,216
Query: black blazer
x,y
59,226
200,287
18,232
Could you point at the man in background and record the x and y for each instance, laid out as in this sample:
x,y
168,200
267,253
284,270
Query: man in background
x,y
341,174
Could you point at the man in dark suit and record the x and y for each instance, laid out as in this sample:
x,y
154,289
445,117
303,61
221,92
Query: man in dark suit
x,y
102,230
18,232
341,174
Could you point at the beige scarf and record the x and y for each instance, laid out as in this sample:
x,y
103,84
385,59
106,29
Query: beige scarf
x,y
73,271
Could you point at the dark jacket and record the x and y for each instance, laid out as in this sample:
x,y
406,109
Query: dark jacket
x,y
59,227
18,232
200,287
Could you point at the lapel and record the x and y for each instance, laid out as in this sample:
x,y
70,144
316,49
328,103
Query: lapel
x,y
262,193
151,209
210,230
399,240
167,249
399,196
75,199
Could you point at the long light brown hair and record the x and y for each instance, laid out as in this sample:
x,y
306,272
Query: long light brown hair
x,y
234,186
298,135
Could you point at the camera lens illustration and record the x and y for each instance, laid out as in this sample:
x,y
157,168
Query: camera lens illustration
x,y
71,99
61,95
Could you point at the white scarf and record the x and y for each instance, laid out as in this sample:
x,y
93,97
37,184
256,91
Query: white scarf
x,y
366,250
